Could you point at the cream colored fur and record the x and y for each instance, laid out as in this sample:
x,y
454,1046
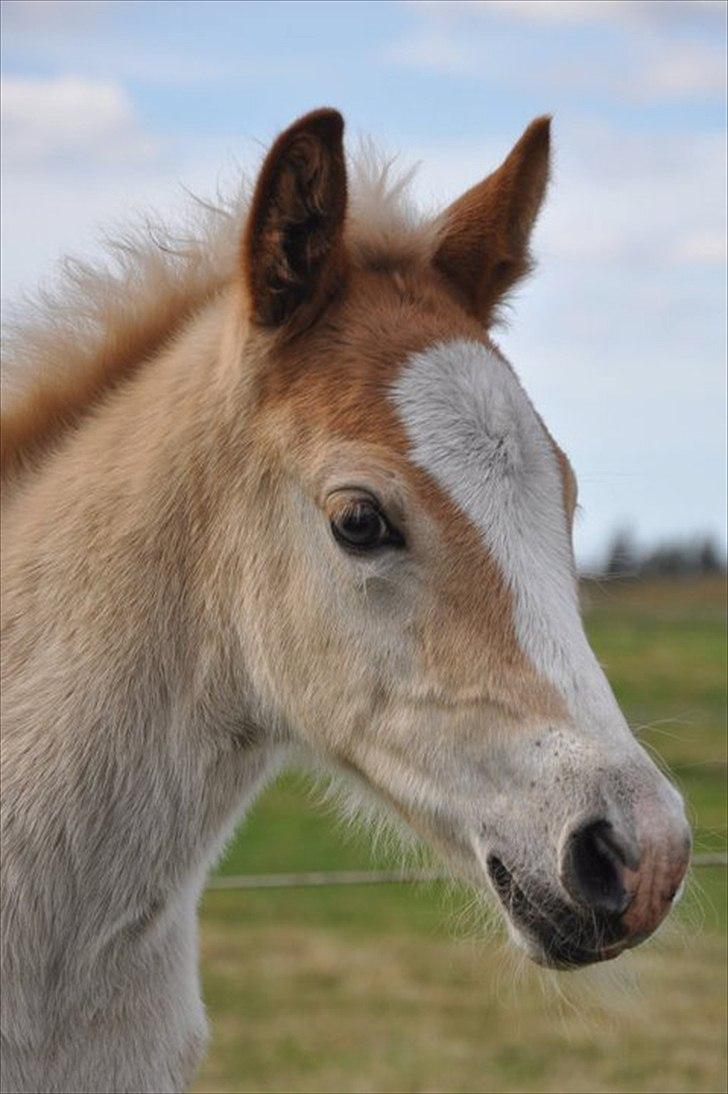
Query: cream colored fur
x,y
133,736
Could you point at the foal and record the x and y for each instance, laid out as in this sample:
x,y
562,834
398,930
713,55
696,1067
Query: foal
x,y
282,490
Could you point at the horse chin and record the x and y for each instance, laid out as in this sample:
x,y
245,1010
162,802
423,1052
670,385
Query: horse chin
x,y
557,954
552,933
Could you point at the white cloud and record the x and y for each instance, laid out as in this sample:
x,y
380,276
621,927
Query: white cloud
x,y
42,16
576,12
684,70
707,246
69,181
657,51
58,120
97,39
631,199
75,156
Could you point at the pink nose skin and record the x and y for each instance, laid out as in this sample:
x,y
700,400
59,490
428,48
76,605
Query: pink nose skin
x,y
630,879
654,885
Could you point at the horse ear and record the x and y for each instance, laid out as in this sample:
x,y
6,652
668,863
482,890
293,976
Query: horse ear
x,y
484,235
293,253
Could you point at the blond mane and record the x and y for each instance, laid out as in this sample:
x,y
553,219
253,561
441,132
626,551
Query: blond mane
x,y
66,346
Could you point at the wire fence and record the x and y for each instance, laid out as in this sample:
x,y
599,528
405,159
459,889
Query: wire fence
x,y
318,878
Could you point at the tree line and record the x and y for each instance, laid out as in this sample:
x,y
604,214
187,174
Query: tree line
x,y
693,556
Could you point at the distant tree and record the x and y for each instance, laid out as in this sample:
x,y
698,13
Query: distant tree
x,y
673,558
709,558
668,560
621,555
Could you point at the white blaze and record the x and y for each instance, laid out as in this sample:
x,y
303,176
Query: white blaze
x,y
472,427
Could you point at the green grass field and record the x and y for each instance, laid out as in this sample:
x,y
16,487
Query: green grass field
x,y
398,988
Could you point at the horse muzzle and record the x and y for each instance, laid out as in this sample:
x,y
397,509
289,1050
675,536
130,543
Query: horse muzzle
x,y
616,885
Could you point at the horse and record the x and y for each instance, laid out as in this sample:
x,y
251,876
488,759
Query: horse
x,y
272,490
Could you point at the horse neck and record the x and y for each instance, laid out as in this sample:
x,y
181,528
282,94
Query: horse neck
x,y
125,696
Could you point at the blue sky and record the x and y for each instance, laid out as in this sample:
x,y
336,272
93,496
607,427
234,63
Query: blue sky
x,y
620,336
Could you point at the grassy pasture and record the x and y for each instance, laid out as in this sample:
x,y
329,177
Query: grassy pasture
x,y
395,988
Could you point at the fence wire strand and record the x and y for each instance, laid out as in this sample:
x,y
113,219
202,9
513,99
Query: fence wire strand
x,y
318,878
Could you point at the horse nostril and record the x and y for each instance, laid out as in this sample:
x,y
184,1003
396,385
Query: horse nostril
x,y
592,867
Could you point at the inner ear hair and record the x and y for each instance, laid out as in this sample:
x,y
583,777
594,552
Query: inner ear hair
x,y
293,251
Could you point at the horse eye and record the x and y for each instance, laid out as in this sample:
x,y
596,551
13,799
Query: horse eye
x,y
362,527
